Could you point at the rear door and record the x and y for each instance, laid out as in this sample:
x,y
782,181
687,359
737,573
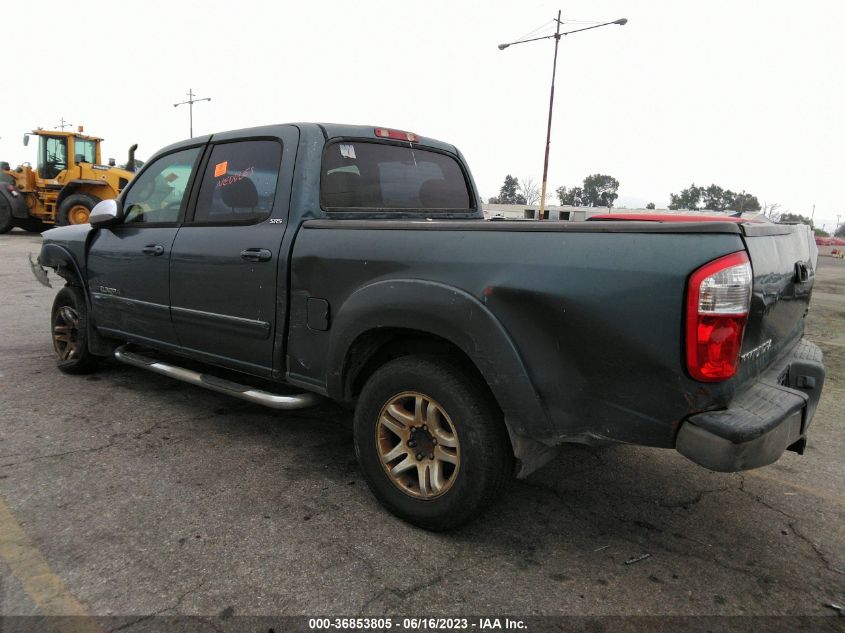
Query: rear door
x,y
129,264
226,267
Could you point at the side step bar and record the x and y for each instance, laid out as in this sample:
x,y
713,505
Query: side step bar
x,y
272,400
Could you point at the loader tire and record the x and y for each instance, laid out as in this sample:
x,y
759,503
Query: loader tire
x,y
75,209
6,220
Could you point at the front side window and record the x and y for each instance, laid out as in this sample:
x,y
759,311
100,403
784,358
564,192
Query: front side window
x,y
239,184
53,155
363,175
84,151
157,195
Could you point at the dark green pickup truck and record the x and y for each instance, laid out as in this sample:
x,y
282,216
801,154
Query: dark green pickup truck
x,y
289,263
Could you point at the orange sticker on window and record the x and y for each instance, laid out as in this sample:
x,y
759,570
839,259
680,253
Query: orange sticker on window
x,y
220,169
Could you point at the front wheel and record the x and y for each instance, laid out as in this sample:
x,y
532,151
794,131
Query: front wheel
x,y
69,323
431,442
75,209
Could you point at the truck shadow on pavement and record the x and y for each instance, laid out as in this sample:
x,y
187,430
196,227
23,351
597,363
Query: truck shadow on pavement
x,y
592,520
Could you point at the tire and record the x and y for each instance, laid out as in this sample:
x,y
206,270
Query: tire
x,y
6,219
33,225
468,460
72,209
68,328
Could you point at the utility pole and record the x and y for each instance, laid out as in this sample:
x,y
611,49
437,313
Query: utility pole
x,y
549,126
63,124
557,35
190,102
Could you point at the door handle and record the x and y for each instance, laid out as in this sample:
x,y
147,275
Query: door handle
x,y
153,249
256,255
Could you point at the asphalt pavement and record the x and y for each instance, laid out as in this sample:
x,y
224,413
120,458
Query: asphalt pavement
x,y
126,493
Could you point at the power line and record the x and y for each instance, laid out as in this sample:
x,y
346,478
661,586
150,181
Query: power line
x,y
546,25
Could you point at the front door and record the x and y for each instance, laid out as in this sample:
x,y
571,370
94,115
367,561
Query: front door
x,y
226,269
129,264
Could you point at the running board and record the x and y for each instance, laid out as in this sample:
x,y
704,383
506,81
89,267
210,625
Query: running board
x,y
272,400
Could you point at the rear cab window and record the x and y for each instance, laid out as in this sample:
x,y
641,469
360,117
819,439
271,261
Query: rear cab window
x,y
365,175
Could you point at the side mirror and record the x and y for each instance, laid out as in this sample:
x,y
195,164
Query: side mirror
x,y
106,213
26,139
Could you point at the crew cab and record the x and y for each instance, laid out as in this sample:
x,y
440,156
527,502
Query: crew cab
x,y
290,263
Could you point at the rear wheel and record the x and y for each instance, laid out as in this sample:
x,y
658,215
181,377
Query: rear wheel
x,y
75,209
69,322
431,442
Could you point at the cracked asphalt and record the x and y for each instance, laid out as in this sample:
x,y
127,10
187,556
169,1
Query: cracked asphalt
x,y
146,496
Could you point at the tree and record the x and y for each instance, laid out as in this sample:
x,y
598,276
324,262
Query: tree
x,y
713,198
840,231
821,233
745,202
509,193
717,199
797,218
573,197
772,212
600,190
650,205
687,199
529,190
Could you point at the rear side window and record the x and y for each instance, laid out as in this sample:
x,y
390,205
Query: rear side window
x,y
239,184
361,175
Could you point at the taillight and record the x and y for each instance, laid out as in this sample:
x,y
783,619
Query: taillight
x,y
397,135
718,300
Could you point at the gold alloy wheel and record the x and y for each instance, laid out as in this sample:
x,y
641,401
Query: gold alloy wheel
x,y
64,333
418,445
78,214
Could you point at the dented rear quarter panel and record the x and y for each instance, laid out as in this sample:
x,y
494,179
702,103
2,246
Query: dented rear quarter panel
x,y
594,315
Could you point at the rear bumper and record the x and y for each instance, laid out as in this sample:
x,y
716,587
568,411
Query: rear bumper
x,y
762,422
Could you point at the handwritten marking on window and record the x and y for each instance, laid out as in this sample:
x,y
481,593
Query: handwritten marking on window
x,y
228,180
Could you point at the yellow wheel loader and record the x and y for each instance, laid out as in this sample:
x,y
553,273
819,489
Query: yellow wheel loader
x,y
66,184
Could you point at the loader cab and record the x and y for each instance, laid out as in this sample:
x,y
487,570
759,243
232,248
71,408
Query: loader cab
x,y
52,155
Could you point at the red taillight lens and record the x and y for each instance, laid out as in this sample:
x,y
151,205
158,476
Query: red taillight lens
x,y
397,135
718,300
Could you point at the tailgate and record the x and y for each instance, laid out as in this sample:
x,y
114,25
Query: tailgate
x,y
783,260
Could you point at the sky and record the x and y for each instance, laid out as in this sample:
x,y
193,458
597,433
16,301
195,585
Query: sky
x,y
747,95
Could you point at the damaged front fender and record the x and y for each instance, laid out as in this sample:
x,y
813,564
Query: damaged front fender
x,y
40,272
